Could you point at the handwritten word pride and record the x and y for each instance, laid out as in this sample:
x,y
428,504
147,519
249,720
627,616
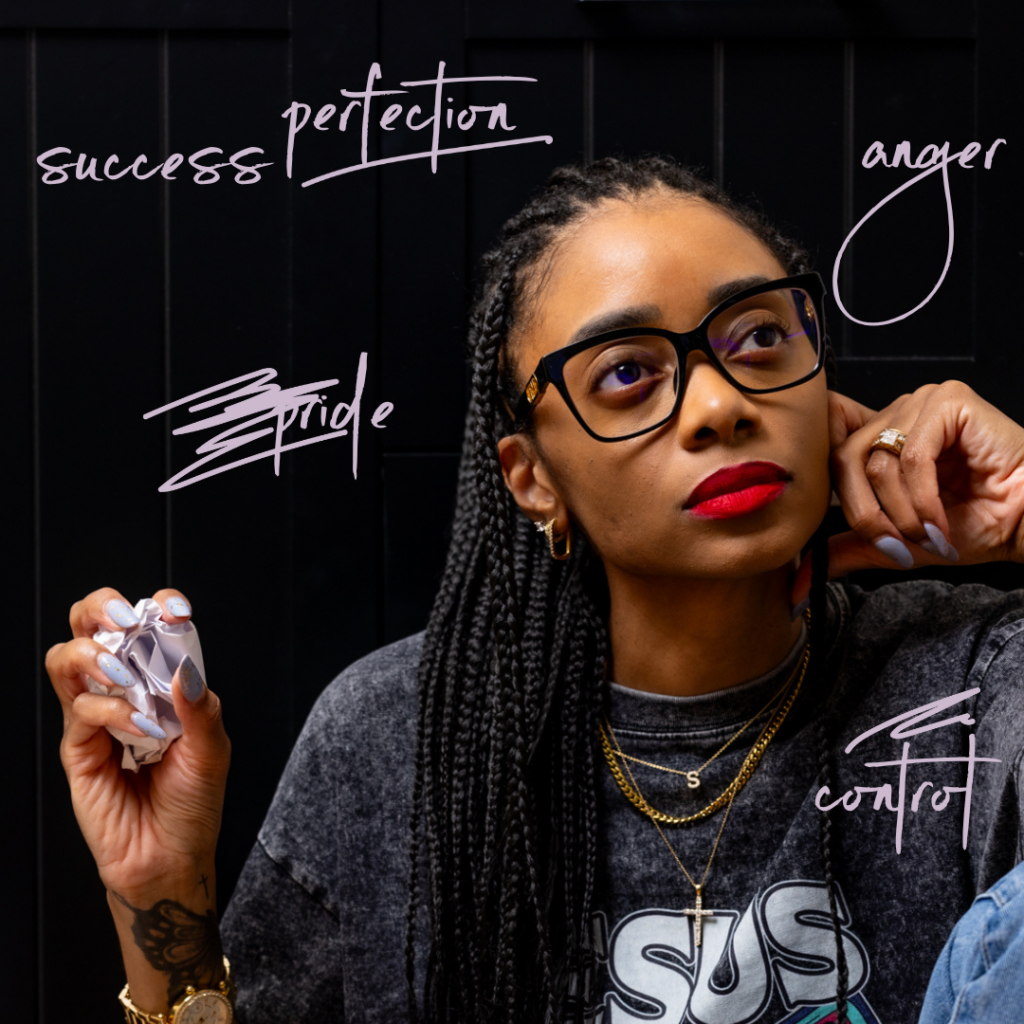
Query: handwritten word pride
x,y
910,724
412,118
254,400
931,158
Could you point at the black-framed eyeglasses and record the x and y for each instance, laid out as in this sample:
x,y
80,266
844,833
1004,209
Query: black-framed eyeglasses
x,y
626,382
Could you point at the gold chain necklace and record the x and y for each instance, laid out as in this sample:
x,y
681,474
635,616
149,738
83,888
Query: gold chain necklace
x,y
742,777
697,912
693,775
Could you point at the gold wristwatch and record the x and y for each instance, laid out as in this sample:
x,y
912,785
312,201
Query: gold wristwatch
x,y
208,1005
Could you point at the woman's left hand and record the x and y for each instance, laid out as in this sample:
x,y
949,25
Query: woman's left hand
x,y
955,493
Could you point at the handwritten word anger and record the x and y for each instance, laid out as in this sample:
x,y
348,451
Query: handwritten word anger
x,y
411,117
259,413
930,159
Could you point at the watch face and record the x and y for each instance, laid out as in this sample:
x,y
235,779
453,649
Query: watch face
x,y
206,1007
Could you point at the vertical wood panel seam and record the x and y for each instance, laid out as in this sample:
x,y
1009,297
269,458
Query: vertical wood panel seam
x,y
380,510
975,191
848,121
33,196
588,100
164,100
718,111
290,370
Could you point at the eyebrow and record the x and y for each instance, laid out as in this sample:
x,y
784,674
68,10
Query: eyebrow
x,y
731,288
643,316
630,316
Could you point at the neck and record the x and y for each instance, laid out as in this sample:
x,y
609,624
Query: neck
x,y
687,637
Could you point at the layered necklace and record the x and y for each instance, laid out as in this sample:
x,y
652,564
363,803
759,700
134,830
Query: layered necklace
x,y
619,763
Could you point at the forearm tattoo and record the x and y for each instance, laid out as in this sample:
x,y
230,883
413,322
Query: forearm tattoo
x,y
180,943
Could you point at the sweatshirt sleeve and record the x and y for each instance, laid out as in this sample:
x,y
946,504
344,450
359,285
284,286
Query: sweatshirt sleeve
x,y
317,920
284,948
997,807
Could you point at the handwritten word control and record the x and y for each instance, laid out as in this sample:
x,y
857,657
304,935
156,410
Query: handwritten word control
x,y
909,724
409,117
248,401
930,158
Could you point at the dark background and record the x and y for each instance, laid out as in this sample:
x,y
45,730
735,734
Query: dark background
x,y
120,296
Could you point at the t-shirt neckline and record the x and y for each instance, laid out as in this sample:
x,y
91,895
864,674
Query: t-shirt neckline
x,y
631,710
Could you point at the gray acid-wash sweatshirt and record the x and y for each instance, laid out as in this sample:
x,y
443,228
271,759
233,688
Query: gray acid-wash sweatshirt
x,y
315,928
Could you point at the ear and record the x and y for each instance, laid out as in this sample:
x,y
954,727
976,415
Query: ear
x,y
531,485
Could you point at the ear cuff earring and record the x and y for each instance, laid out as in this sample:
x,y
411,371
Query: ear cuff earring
x,y
548,529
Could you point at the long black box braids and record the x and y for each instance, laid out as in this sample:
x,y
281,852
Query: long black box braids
x,y
504,831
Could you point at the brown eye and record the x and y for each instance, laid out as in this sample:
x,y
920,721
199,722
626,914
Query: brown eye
x,y
765,337
747,339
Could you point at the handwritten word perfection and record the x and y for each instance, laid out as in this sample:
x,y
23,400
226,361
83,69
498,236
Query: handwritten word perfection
x,y
911,723
930,159
250,400
410,117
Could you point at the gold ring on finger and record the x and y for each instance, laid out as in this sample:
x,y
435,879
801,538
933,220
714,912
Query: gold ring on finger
x,y
890,440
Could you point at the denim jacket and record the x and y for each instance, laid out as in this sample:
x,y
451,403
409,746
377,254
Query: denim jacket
x,y
979,976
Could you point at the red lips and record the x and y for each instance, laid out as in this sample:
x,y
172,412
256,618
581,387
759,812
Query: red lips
x,y
737,490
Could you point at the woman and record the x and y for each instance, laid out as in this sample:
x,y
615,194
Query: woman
x,y
625,727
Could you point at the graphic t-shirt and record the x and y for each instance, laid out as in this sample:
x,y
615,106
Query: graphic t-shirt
x,y
925,694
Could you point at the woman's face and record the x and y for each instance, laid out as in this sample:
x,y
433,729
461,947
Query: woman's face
x,y
633,498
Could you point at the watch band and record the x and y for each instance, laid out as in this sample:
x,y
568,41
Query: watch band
x,y
133,1015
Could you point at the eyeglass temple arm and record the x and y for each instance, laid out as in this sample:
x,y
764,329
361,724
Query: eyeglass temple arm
x,y
535,387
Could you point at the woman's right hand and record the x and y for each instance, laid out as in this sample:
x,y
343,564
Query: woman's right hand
x,y
148,831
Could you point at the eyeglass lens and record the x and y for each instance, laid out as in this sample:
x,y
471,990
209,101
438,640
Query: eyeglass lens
x,y
765,341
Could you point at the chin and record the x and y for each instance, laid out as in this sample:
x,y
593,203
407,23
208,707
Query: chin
x,y
748,546
734,548
715,557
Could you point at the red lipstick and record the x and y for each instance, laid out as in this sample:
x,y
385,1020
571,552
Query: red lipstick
x,y
737,490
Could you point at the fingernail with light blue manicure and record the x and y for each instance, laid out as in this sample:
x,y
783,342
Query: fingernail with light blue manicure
x,y
800,609
121,613
116,672
192,684
896,550
938,545
177,606
148,727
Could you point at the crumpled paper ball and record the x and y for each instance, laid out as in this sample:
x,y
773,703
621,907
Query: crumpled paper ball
x,y
152,650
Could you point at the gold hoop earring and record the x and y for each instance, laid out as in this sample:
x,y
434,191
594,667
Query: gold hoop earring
x,y
548,529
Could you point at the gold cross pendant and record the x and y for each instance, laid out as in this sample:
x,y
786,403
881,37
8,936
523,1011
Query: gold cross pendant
x,y
697,913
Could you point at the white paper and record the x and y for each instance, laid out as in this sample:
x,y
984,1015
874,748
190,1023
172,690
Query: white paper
x,y
152,650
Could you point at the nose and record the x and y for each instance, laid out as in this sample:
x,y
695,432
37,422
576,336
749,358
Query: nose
x,y
712,409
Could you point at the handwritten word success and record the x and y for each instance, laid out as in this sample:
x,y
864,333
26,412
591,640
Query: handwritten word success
x,y
250,400
207,169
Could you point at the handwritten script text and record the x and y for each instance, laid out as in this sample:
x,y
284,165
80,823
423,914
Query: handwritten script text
x,y
391,118
909,724
260,412
932,158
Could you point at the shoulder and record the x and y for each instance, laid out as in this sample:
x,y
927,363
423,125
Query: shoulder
x,y
924,599
929,612
345,793
926,636
373,689
365,716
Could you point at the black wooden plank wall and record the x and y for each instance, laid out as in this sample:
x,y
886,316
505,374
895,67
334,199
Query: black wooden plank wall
x,y
120,296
